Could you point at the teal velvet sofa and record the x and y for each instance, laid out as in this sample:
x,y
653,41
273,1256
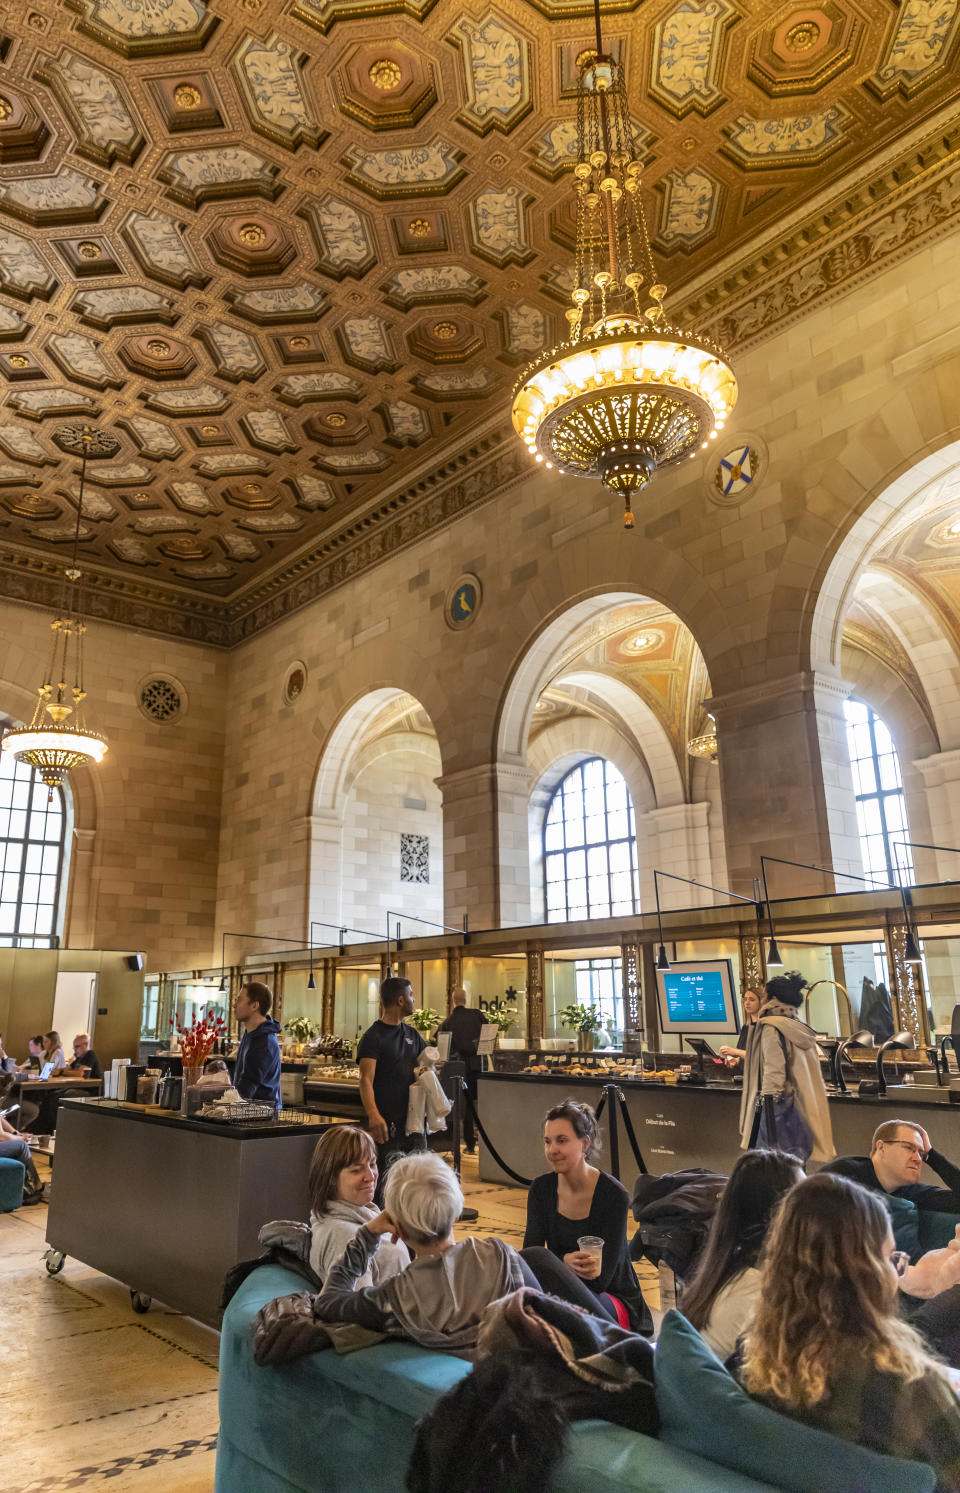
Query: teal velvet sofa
x,y
344,1424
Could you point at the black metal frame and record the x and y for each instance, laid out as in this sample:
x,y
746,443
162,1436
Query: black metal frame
x,y
889,836
51,939
629,839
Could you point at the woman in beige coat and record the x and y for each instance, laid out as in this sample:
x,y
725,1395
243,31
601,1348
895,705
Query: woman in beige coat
x,y
782,1060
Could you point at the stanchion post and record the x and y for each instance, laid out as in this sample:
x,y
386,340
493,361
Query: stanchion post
x,y
614,1133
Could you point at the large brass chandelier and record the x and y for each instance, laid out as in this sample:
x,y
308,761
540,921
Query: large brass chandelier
x,y
57,738
628,392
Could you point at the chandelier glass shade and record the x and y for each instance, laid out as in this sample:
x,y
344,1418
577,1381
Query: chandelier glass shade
x,y
704,746
57,738
627,393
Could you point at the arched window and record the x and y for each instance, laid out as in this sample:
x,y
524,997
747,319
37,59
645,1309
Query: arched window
x,y
32,832
878,786
590,845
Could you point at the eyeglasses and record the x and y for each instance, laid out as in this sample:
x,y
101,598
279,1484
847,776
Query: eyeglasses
x,y
899,1260
909,1145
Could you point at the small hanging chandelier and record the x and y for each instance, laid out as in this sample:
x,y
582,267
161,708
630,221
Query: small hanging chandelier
x,y
627,393
704,746
53,743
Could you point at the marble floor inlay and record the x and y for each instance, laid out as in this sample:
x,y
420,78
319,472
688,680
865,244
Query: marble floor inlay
x,y
95,1397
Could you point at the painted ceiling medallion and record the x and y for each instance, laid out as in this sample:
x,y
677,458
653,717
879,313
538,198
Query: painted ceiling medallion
x,y
385,74
139,28
627,393
274,92
157,357
23,129
251,246
386,92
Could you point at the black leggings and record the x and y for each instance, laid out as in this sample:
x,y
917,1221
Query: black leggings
x,y
557,1279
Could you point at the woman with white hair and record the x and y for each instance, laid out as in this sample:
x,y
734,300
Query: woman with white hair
x,y
439,1299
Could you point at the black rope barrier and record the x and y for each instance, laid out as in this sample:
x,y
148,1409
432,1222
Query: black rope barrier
x,y
523,1181
631,1134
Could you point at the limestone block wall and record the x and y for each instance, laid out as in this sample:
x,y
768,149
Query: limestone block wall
x,y
392,795
845,402
146,830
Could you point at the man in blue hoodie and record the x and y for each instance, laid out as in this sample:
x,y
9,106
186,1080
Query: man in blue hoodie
x,y
257,1073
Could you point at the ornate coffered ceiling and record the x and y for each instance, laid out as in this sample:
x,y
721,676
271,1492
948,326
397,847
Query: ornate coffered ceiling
x,y
293,254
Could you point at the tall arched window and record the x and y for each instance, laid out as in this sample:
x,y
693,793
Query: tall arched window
x,y
32,831
590,845
878,786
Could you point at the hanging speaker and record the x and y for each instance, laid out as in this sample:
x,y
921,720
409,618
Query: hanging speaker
x,y
134,961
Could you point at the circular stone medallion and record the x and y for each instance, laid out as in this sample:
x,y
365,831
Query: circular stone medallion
x,y
736,472
294,682
463,601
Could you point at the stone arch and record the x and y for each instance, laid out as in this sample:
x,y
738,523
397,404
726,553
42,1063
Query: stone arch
x,y
83,801
641,724
880,509
363,807
541,656
917,626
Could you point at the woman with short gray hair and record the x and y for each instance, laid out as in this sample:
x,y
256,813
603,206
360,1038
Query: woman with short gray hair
x,y
439,1299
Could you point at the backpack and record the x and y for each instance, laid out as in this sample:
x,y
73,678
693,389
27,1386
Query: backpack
x,y
673,1215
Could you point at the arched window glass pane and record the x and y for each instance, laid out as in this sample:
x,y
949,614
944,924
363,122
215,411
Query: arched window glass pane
x,y
590,846
31,856
878,786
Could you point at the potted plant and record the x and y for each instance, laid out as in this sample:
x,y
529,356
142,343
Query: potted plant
x,y
584,1020
425,1019
503,1018
302,1030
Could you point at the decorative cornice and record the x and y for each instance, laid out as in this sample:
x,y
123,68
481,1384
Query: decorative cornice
x,y
868,225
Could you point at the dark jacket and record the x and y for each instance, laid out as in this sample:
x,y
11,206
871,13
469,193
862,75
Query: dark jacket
x,y
928,1199
257,1073
464,1023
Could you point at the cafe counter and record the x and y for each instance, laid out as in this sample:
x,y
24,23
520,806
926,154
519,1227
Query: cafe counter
x,y
679,1126
168,1205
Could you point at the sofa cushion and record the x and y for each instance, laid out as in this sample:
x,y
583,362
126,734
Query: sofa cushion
x,y
12,1174
935,1229
905,1224
704,1410
325,1422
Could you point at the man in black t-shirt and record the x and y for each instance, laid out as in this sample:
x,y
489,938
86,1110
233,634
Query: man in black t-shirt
x,y
465,1025
387,1056
85,1063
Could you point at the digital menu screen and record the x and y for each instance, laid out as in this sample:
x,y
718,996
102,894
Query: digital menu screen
x,y
697,998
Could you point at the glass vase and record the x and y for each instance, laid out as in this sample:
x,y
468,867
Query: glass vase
x,y
191,1077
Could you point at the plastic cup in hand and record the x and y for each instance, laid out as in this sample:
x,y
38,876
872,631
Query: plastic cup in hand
x,y
590,1244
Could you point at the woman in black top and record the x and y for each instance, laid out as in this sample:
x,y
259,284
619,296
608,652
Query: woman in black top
x,y
574,1199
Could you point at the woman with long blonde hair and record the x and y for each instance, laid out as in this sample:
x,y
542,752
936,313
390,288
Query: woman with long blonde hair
x,y
826,1343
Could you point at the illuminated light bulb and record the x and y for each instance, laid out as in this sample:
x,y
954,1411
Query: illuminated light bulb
x,y
539,457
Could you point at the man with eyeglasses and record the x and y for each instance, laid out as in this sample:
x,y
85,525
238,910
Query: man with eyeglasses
x,y
898,1152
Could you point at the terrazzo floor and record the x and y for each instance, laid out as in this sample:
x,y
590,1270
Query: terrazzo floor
x,y
94,1397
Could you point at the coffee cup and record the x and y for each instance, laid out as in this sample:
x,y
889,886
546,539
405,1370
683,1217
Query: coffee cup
x,y
591,1244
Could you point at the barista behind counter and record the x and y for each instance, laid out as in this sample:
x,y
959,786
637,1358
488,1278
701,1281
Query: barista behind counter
x,y
256,1075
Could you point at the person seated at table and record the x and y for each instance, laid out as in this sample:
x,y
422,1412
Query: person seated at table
x,y
13,1147
734,1056
34,1062
827,1344
7,1063
573,1200
53,1053
343,1180
84,1063
720,1298
898,1152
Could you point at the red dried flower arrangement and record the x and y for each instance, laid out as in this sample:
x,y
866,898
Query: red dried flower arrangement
x,y
197,1039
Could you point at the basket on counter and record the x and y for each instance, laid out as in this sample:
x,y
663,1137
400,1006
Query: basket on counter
x,y
243,1113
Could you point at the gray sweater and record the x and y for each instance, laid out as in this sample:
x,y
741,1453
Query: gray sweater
x,y
436,1302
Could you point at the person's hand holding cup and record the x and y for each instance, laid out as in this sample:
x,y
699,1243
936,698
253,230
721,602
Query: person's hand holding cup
x,y
591,1248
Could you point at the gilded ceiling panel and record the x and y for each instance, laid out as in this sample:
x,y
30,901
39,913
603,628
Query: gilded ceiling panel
x,y
288,245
